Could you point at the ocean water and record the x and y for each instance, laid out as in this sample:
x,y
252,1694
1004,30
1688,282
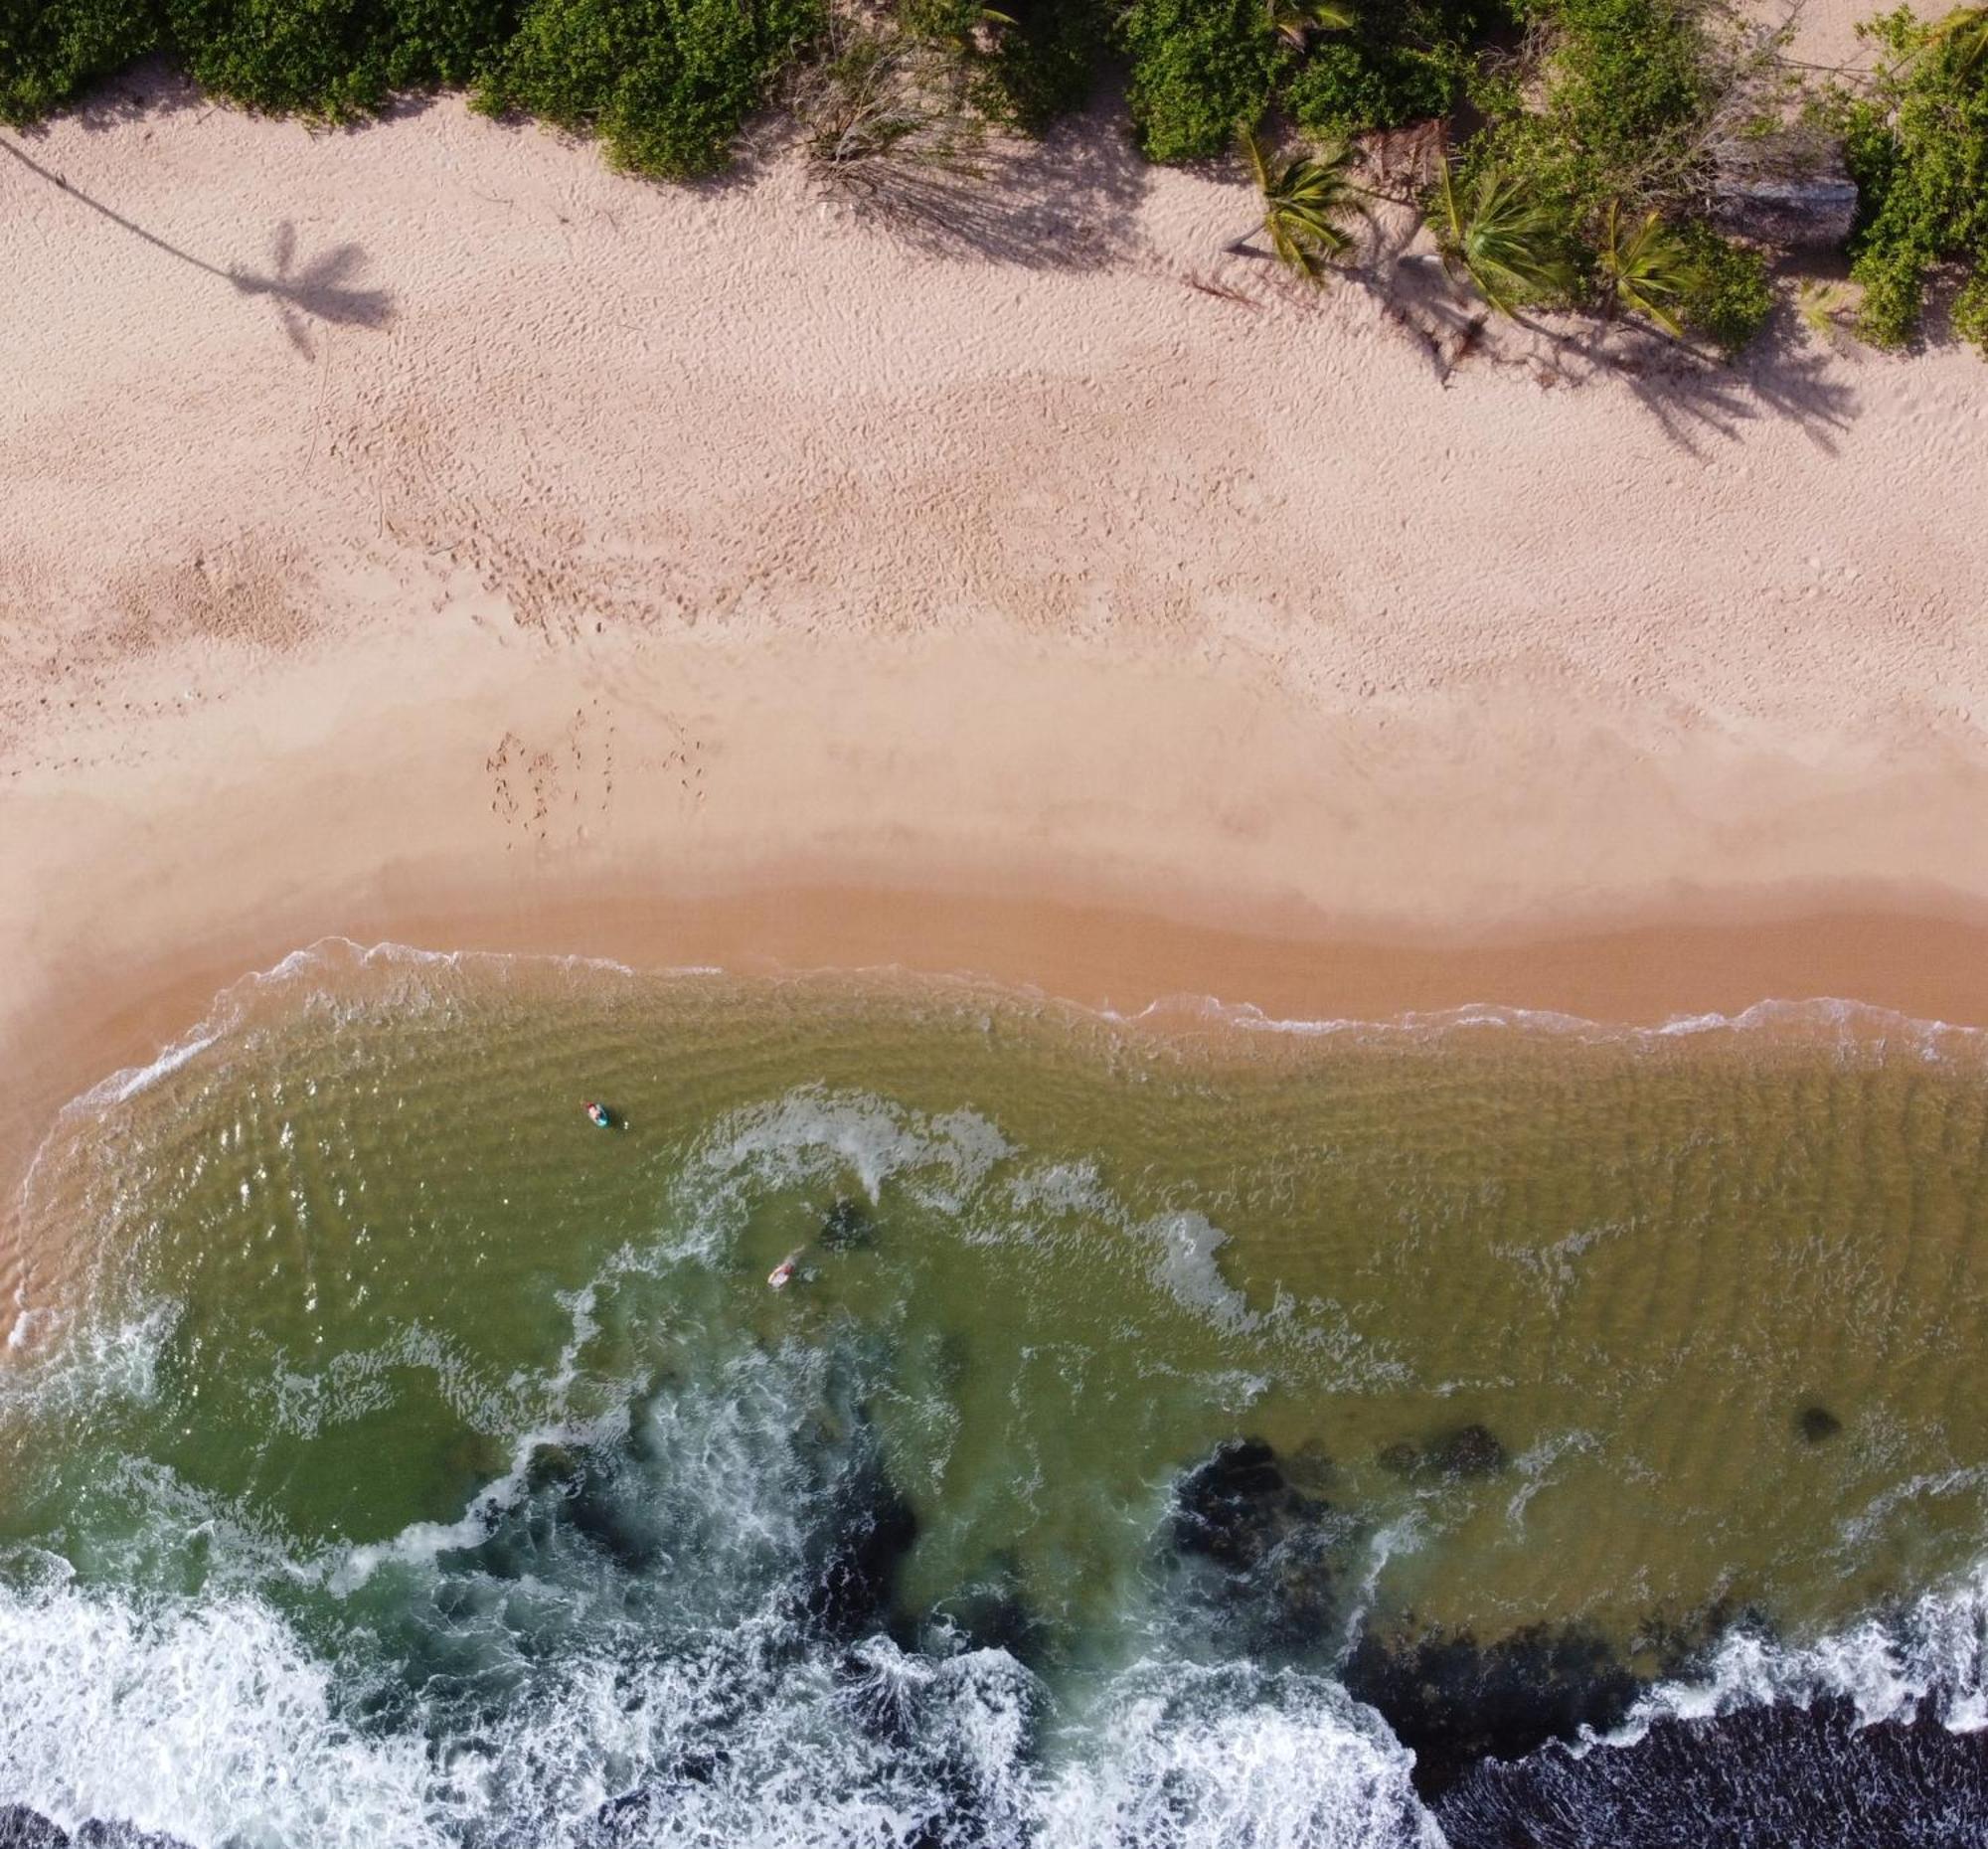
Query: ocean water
x,y
1197,1430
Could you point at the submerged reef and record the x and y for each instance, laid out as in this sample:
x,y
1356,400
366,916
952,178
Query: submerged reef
x,y
846,1224
1455,1701
1264,1553
1238,1507
1271,1561
1472,1450
853,1556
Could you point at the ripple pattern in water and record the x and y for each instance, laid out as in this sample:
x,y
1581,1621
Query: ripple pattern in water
x,y
393,1457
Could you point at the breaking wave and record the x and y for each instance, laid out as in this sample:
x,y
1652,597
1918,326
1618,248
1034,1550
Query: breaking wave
x,y
685,1605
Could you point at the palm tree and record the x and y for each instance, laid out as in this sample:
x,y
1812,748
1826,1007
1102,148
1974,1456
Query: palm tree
x,y
1646,268
1821,306
1306,201
1964,32
1503,240
1294,20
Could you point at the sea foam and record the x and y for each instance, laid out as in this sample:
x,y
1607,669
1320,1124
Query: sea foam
x,y
213,1723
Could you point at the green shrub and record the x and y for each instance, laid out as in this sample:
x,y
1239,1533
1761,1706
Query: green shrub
x,y
954,20
445,44
1627,73
1730,299
321,57
49,49
1622,98
1199,69
328,58
1047,64
337,59
1893,285
1917,146
1617,119
1970,311
1348,86
666,83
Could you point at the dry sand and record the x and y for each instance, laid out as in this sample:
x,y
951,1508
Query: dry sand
x,y
1824,31
422,532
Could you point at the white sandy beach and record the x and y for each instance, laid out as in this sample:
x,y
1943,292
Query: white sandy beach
x,y
420,530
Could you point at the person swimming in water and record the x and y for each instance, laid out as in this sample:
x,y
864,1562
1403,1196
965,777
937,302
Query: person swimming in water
x,y
599,1116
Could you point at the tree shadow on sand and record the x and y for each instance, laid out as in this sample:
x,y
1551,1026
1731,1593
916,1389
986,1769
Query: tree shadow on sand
x,y
323,291
1067,202
1692,397
1782,375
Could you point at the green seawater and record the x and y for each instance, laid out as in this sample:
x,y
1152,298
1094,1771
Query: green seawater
x,y
340,1313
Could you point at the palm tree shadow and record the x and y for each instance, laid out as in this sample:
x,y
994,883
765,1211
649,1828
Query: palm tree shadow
x,y
1692,397
1412,291
322,290
1067,202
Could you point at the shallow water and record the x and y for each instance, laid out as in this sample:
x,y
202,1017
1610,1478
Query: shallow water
x,y
390,1456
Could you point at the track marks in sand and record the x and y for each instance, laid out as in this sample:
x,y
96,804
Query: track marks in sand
x,y
248,590
557,791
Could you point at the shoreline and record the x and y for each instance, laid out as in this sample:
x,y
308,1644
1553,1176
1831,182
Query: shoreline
x,y
1136,969
647,577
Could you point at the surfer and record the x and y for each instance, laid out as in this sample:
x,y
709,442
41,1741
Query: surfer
x,y
782,1274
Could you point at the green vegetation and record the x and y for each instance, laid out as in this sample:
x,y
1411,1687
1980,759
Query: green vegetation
x,y
329,59
51,49
1919,148
1306,203
1047,59
1822,307
1598,128
1728,297
889,106
664,83
1965,33
1334,67
1399,61
1498,235
667,82
1581,141
1624,93
1616,119
1646,268
1199,66
1294,20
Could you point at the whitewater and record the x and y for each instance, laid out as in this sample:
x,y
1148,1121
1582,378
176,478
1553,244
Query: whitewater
x,y
1467,1430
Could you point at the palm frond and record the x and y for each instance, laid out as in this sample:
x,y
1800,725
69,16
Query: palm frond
x,y
1307,200
1647,269
1964,33
1502,238
1294,20
1822,307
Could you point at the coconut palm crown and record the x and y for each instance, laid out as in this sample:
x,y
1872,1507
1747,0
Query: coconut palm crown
x,y
1499,237
1307,199
1294,20
1646,270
